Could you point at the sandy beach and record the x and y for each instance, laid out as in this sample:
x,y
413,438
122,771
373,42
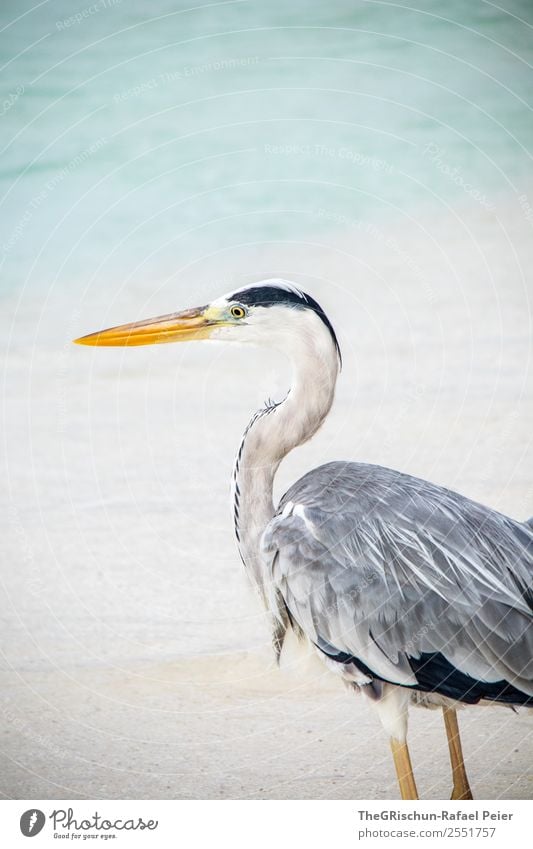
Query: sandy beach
x,y
230,728
136,658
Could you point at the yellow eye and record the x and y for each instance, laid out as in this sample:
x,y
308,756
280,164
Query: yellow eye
x,y
238,312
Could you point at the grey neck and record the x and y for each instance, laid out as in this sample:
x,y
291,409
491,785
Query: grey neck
x,y
274,431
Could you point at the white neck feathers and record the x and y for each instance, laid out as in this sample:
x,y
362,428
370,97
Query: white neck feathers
x,y
276,430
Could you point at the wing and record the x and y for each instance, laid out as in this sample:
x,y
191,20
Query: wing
x,y
419,585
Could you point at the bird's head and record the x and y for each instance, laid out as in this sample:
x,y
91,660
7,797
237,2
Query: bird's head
x,y
272,312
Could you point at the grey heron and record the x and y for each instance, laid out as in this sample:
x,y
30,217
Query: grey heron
x,y
412,593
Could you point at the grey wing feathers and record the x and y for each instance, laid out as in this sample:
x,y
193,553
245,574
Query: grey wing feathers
x,y
387,567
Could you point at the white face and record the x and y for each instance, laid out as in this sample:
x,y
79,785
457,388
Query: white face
x,y
274,325
249,324
290,329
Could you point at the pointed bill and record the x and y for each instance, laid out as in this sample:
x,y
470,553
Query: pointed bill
x,y
183,326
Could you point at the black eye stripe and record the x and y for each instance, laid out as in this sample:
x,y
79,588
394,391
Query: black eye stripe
x,y
269,296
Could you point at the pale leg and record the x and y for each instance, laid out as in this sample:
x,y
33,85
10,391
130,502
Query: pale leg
x,y
404,770
392,707
461,787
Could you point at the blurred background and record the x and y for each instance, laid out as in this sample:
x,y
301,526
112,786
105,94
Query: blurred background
x,y
153,156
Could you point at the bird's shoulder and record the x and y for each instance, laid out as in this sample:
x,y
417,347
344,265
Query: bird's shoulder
x,y
373,493
356,487
361,516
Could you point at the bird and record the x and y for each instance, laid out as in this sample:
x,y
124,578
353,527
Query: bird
x,y
410,592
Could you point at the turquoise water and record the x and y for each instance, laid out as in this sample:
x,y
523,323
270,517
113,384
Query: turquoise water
x,y
138,138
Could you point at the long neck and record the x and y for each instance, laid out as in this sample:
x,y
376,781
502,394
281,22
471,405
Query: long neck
x,y
272,433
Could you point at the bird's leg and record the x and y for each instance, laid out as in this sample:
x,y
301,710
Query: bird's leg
x,y
392,704
404,770
461,787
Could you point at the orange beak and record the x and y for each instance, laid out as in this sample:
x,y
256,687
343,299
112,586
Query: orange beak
x,y
177,327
